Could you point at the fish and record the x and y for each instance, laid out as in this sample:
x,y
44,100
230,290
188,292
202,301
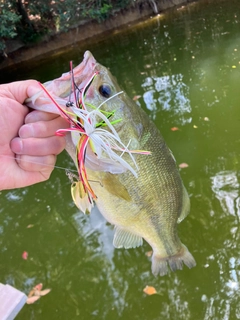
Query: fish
x,y
128,172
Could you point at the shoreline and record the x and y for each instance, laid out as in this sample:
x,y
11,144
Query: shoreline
x,y
88,31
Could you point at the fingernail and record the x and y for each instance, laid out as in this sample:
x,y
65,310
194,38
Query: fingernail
x,y
26,131
31,117
16,145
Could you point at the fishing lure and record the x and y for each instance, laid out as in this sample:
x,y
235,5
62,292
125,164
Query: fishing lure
x,y
96,140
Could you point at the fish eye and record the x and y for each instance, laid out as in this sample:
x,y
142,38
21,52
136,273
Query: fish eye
x,y
105,90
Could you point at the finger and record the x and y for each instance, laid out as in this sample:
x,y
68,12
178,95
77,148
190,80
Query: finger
x,y
42,129
20,90
36,164
36,115
38,146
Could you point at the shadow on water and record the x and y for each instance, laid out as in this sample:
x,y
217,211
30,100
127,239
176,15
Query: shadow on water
x,y
185,66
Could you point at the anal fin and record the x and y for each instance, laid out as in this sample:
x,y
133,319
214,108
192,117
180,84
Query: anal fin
x,y
126,239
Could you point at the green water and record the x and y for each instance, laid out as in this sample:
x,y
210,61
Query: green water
x,y
186,67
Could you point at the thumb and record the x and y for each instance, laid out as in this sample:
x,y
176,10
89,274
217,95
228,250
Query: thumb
x,y
20,90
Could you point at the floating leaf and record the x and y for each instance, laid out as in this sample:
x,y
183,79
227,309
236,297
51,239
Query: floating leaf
x,y
234,67
44,292
194,126
25,255
183,165
30,226
35,290
206,119
32,299
135,98
38,286
149,290
36,293
174,128
31,293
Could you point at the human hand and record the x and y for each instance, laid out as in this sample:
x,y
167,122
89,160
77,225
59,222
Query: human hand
x,y
28,145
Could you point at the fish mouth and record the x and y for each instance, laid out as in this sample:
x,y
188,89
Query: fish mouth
x,y
88,58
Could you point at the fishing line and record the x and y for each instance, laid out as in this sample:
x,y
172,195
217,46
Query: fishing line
x,y
35,162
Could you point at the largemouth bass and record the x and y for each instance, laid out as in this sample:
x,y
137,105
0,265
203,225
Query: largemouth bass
x,y
141,194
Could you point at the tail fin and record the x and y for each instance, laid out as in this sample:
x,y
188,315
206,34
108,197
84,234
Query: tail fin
x,y
160,265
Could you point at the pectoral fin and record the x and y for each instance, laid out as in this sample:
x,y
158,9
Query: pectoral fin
x,y
125,239
185,206
112,184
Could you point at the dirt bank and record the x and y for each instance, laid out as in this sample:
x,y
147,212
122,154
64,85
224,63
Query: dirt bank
x,y
87,30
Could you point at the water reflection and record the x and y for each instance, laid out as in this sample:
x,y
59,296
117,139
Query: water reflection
x,y
168,93
102,230
225,185
224,303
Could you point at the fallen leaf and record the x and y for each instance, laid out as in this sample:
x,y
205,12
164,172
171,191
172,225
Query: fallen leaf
x,y
206,119
135,98
37,293
194,126
234,67
174,128
38,287
183,165
31,293
25,255
44,292
149,253
35,290
149,290
32,299
30,226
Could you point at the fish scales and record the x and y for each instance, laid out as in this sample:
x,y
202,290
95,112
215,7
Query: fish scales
x,y
147,207
157,194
